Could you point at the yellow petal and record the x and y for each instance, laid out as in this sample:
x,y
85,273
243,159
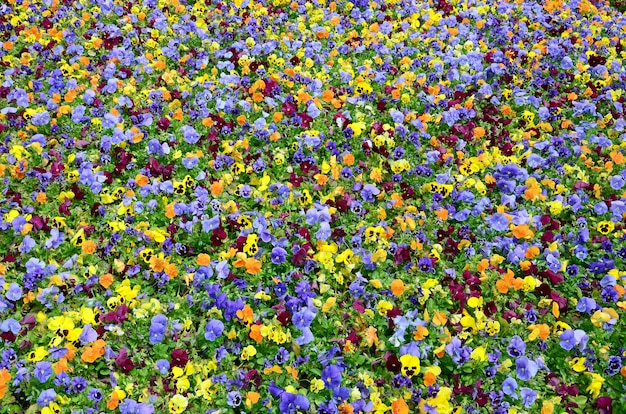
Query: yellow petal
x,y
329,304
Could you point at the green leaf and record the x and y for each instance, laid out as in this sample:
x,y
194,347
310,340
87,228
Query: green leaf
x,y
33,409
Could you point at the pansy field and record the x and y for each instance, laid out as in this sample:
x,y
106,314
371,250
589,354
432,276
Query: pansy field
x,y
313,206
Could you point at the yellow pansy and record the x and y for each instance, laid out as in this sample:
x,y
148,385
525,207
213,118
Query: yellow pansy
x,y
479,354
410,365
38,354
578,364
596,384
317,385
178,404
384,307
248,352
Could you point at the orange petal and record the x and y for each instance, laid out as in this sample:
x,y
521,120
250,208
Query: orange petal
x,y
399,407
397,287
106,280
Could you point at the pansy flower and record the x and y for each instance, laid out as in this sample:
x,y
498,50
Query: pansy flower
x,y
526,368
213,330
158,327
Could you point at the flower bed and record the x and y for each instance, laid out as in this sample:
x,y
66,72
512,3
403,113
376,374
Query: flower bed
x,y
311,206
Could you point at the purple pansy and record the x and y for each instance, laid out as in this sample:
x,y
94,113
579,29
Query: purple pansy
x,y
213,330
526,368
158,326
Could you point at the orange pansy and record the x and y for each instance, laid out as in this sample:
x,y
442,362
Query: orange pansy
x,y
399,406
106,280
93,352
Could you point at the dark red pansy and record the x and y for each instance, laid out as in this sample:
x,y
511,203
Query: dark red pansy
x,y
124,362
8,336
605,405
284,317
359,306
179,358
64,208
392,363
163,124
47,24
252,376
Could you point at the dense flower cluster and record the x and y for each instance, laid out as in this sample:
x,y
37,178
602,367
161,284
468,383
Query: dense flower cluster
x,y
384,206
